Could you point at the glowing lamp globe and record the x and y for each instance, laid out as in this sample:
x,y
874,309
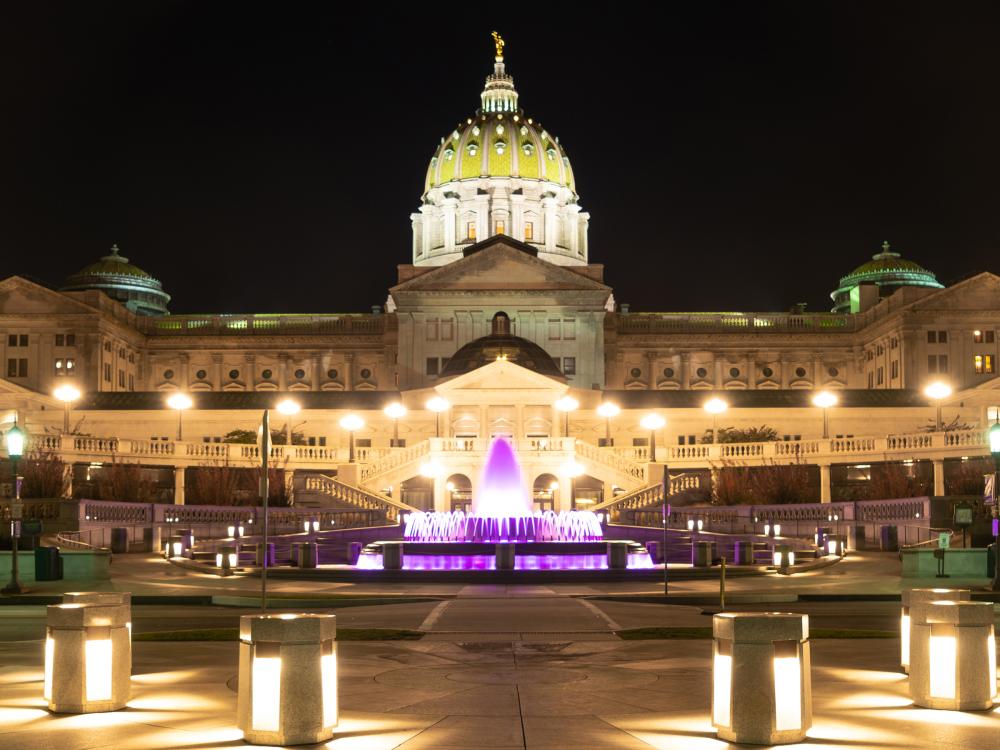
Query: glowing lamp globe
x,y
66,393
179,401
437,404
395,410
352,422
608,410
937,391
567,404
716,406
15,442
288,407
995,438
652,422
824,400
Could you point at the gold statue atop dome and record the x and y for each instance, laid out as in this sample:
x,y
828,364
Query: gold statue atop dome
x,y
499,42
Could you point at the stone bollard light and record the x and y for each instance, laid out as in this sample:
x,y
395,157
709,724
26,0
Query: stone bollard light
x,y
107,598
288,678
761,684
226,559
915,597
783,557
953,659
87,658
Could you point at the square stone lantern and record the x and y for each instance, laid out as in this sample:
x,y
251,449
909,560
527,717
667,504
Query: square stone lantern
x,y
287,678
111,599
761,680
953,659
913,598
87,658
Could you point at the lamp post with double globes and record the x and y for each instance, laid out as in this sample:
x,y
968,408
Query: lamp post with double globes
x,y
395,411
437,405
566,404
352,423
67,394
179,402
652,422
937,392
824,400
15,449
608,410
715,407
289,408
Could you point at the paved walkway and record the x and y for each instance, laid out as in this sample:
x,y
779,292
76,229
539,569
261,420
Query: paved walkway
x,y
501,694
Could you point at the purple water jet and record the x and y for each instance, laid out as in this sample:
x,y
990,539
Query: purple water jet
x,y
501,492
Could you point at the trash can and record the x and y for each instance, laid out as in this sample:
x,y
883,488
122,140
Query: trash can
x,y
308,555
392,555
701,554
860,538
119,540
743,553
889,538
48,564
618,555
260,554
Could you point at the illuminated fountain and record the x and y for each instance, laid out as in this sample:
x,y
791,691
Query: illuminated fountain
x,y
502,511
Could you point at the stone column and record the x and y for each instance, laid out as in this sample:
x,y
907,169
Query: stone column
x,y
718,372
216,372
448,208
251,377
551,228
185,375
686,371
564,495
824,483
349,371
282,372
178,485
650,370
441,503
484,422
317,372
938,477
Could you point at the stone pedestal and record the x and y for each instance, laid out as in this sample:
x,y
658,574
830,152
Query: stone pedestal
x,y
783,557
953,661
87,658
701,554
107,598
761,684
392,555
617,555
308,555
743,553
287,679
916,597
505,553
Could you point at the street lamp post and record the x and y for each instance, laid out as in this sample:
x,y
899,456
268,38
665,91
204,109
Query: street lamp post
x,y
994,435
937,392
15,449
437,405
67,394
824,400
652,422
566,404
288,407
608,410
715,407
352,423
395,411
179,402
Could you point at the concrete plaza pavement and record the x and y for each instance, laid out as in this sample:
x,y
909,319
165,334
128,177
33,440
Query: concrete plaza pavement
x,y
454,694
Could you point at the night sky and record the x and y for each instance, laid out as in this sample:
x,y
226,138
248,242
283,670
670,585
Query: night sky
x,y
733,156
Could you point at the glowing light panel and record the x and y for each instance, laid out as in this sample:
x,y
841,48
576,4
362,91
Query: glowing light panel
x,y
904,640
787,693
722,685
50,648
266,690
98,669
328,670
943,653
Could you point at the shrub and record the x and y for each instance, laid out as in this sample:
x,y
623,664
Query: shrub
x,y
43,475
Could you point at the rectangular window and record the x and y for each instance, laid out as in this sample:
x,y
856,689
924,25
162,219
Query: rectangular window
x,y
501,227
681,439
22,368
932,363
942,337
640,442
70,339
932,337
569,329
121,378
60,339
871,379
131,359
432,329
942,363
894,369
569,365
107,372
977,337
893,343
554,332
879,350
529,231
12,339
988,364
977,363
11,368
23,339
131,382
447,330
60,366
470,230
989,337
879,376
432,366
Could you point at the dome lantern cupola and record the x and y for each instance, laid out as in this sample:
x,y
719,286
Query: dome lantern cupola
x,y
122,281
887,271
499,172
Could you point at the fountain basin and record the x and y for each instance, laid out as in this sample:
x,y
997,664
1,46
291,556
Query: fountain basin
x,y
575,526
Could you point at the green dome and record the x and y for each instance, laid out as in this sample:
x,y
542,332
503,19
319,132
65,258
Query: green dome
x,y
122,281
499,141
888,271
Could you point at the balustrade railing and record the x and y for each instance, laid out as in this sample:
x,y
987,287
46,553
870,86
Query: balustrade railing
x,y
635,472
358,497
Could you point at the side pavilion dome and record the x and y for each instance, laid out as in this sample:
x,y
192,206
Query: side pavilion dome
x,y
122,281
888,271
501,344
499,172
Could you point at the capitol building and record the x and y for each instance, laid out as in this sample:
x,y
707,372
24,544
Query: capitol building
x,y
501,323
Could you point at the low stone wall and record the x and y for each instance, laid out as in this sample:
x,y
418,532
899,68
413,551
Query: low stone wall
x,y
78,565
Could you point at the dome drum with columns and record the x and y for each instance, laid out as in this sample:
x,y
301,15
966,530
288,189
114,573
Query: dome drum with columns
x,y
499,172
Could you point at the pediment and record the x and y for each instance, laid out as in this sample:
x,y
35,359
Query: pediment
x,y
508,381
500,266
980,292
20,296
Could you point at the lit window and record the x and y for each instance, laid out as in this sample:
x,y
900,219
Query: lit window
x,y
61,339
988,363
529,231
977,363
500,227
500,146
472,148
569,365
471,230
977,337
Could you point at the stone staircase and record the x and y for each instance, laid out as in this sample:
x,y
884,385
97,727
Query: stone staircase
x,y
330,492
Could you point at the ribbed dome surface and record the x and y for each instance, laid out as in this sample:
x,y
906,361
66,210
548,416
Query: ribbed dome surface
x,y
122,281
888,271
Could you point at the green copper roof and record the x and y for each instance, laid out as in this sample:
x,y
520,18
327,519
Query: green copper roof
x,y
113,265
123,281
888,271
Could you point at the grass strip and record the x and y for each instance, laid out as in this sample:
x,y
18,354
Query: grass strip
x,y
233,634
705,633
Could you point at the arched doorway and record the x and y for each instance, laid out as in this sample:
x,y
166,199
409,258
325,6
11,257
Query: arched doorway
x,y
459,489
544,490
